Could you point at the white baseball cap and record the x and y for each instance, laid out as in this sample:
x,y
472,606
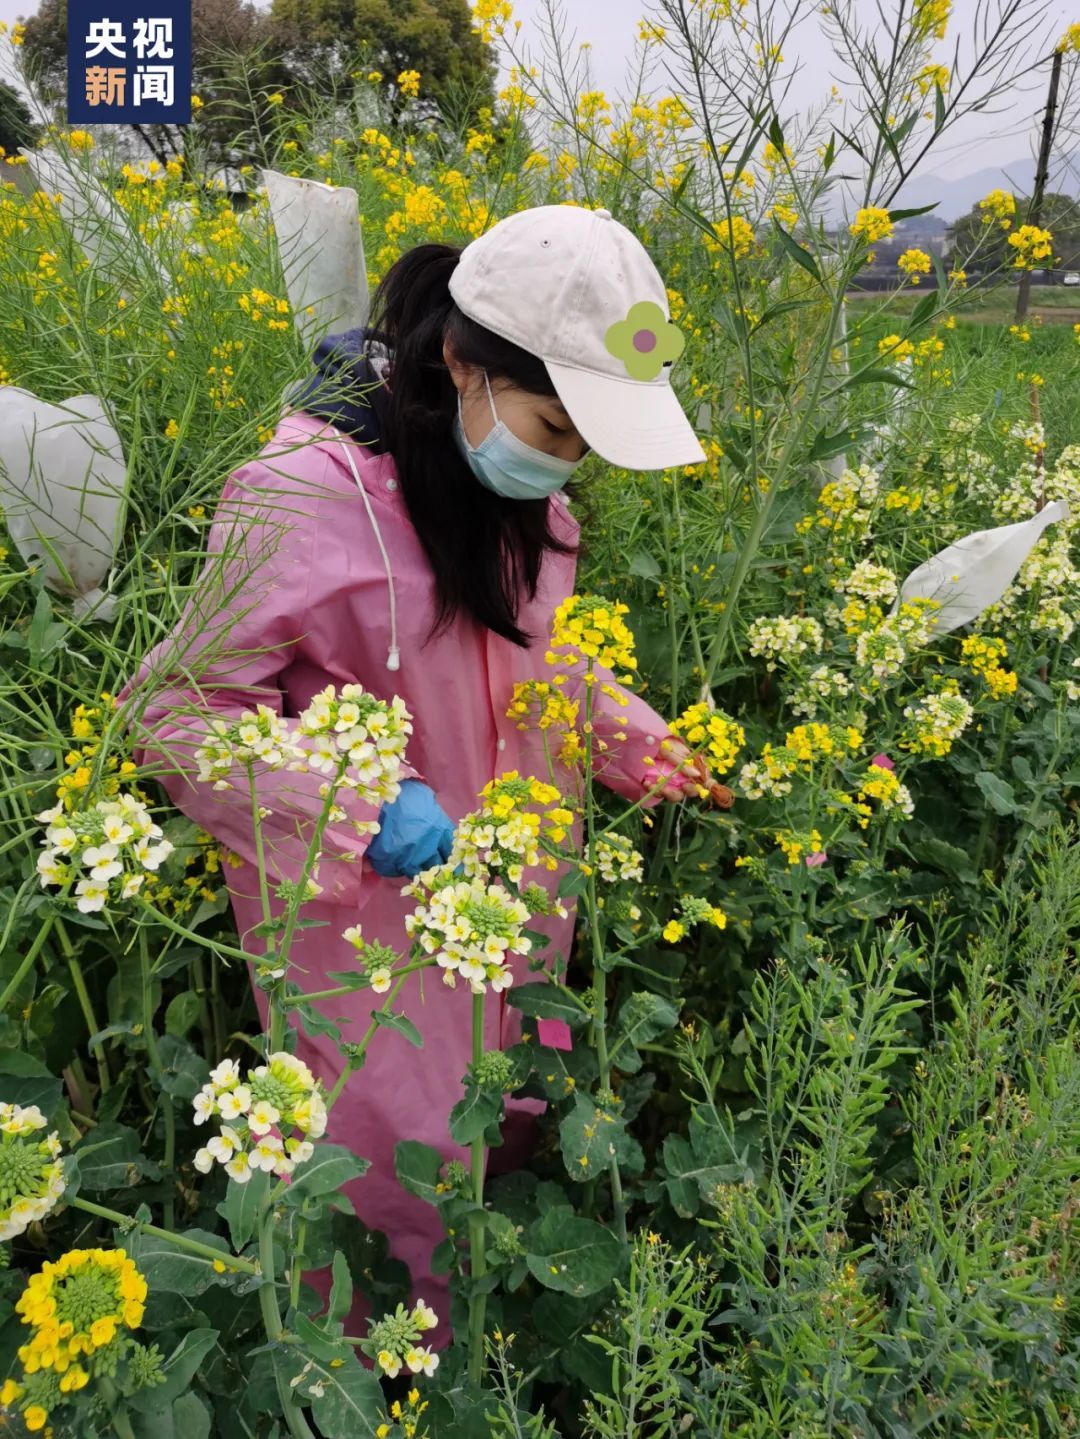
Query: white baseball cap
x,y
578,289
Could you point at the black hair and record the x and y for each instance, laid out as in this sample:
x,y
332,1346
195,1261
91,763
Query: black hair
x,y
485,549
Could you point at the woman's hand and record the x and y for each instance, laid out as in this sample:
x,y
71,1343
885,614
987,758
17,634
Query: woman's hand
x,y
415,832
682,781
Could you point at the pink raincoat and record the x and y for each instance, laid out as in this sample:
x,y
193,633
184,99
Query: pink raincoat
x,y
333,579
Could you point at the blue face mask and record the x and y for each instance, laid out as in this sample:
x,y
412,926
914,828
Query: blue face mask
x,y
508,465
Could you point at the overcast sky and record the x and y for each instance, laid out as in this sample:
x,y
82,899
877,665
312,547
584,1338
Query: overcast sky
x,y
610,27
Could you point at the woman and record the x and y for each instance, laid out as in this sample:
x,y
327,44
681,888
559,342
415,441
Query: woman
x,y
404,529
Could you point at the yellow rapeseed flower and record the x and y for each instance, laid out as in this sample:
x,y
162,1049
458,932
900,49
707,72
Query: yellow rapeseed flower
x,y
872,223
1031,244
914,263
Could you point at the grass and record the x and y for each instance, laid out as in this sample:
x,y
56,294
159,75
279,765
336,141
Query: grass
x,y
991,371
1054,304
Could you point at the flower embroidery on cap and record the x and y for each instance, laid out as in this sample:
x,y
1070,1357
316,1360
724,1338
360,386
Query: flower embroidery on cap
x,y
645,340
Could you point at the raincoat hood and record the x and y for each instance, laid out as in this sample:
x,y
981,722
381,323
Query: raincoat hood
x,y
348,385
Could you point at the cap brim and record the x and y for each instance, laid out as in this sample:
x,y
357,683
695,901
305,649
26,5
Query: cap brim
x,y
631,423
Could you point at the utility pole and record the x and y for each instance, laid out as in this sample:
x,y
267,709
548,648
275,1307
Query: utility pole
x,y
1034,214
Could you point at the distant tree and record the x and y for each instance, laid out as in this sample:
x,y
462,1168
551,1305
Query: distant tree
x,y
17,125
434,37
1061,216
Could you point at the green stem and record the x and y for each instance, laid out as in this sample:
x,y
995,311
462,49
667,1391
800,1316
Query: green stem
x,y
1027,824
216,1007
198,973
260,857
158,1072
877,855
294,999
599,972
477,1257
296,1265
118,1418
277,994
988,817
79,981
357,1053
749,549
268,1303
215,946
27,964
190,1246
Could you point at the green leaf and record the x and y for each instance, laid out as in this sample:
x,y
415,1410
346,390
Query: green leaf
x,y
895,215
852,143
642,563
111,1157
173,1270
184,1072
734,325
188,1418
643,1017
471,1115
25,1080
895,138
240,1207
776,133
417,1166
1021,768
400,1024
922,311
796,252
572,883
181,1013
318,1344
547,1000
782,307
340,1288
875,375
571,1254
346,1402
331,1166
45,633
315,1022
591,1136
191,1418
559,1072
692,1176
825,446
677,193
349,978
180,1368
944,856
998,792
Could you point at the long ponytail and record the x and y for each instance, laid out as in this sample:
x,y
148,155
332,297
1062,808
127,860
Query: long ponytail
x,y
485,549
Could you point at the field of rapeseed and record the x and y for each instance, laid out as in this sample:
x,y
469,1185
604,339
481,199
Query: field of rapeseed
x,y
809,1167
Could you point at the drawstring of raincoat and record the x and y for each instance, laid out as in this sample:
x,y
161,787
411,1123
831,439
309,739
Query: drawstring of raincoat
x,y
393,656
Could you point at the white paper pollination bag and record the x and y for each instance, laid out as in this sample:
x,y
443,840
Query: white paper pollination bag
x,y
62,488
322,253
973,573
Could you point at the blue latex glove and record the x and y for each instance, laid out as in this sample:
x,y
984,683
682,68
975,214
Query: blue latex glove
x,y
415,832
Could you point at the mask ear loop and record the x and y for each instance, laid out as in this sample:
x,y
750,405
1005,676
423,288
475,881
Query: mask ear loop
x,y
494,412
491,400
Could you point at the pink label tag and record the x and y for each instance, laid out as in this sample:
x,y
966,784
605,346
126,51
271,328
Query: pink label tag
x,y
554,1033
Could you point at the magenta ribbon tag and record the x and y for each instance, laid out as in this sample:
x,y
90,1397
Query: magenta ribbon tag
x,y
554,1033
